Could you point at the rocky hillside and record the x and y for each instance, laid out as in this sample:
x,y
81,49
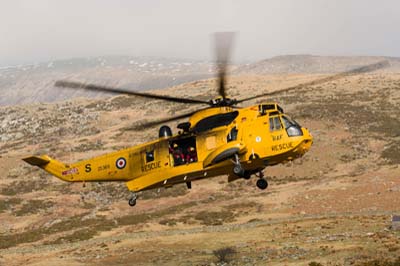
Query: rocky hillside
x,y
334,206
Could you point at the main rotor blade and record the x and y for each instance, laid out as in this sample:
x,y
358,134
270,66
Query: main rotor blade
x,y
223,45
92,87
158,122
356,71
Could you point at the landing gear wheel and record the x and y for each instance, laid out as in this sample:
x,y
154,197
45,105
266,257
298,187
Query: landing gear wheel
x,y
262,183
132,200
238,170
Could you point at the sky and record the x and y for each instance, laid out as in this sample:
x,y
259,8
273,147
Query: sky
x,y
43,30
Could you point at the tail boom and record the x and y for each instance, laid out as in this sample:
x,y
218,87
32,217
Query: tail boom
x,y
54,167
96,169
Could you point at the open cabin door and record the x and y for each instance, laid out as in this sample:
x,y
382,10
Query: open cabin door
x,y
183,151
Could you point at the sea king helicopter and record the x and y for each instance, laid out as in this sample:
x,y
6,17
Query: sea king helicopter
x,y
220,139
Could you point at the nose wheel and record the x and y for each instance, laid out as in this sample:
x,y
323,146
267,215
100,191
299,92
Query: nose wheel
x,y
262,183
132,199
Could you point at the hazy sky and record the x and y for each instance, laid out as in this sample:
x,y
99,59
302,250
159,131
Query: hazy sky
x,y
41,30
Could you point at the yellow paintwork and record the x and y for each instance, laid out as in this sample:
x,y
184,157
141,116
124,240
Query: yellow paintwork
x,y
257,147
241,148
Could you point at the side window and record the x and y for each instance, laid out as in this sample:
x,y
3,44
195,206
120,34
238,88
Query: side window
x,y
149,156
271,124
274,123
277,123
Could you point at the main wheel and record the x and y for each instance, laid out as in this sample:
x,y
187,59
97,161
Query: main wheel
x,y
132,202
262,183
238,170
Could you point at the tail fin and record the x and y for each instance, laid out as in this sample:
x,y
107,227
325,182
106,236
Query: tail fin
x,y
37,161
52,166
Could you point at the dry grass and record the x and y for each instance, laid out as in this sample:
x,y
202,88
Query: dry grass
x,y
27,186
392,152
9,203
217,208
33,207
378,262
215,217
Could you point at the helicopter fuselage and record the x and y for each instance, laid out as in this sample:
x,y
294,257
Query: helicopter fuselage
x,y
216,140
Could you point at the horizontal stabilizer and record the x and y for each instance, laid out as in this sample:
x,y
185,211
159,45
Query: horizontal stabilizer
x,y
35,160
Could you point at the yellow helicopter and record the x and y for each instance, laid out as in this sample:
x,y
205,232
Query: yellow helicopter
x,y
221,139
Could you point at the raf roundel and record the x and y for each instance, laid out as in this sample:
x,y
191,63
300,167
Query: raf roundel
x,y
120,163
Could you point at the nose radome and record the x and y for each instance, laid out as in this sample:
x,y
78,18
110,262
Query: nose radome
x,y
306,133
308,140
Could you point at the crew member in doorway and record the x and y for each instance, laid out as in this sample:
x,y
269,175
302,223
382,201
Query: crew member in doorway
x,y
177,153
191,155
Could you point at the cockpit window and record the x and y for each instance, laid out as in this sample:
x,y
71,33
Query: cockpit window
x,y
274,123
292,128
287,122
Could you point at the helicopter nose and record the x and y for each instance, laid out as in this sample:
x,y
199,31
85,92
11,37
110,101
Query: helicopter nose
x,y
307,140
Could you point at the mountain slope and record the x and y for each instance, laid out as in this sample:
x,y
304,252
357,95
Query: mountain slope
x,y
35,83
311,64
331,207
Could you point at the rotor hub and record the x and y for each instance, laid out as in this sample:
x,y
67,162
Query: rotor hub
x,y
220,102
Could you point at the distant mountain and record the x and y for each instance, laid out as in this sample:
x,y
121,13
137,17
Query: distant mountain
x,y
35,83
311,64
